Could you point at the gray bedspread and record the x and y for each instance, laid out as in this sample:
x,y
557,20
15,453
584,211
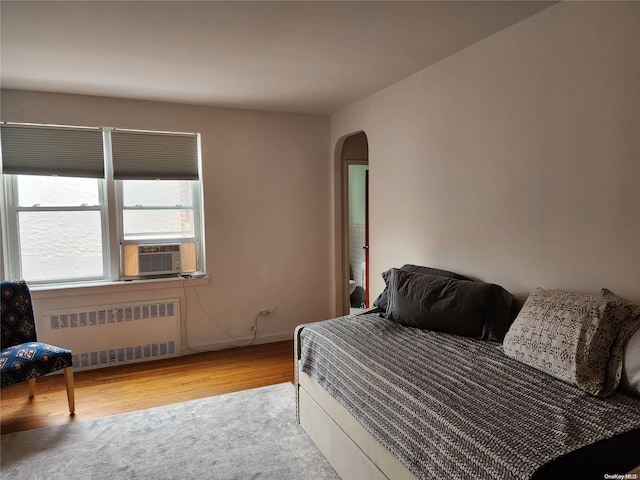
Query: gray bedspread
x,y
454,407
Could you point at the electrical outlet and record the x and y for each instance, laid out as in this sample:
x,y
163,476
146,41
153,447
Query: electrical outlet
x,y
267,312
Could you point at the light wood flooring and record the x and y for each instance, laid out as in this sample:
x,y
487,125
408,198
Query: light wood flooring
x,y
108,391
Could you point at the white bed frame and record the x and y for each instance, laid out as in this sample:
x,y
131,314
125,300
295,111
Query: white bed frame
x,y
352,451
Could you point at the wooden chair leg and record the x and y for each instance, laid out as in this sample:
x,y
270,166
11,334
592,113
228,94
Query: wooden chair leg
x,y
68,376
32,387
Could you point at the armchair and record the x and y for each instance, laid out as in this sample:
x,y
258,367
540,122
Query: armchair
x,y
23,357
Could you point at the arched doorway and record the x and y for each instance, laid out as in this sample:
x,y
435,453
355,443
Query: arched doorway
x,y
352,223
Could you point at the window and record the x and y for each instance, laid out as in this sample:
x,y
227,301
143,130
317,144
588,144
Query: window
x,y
61,184
157,209
59,227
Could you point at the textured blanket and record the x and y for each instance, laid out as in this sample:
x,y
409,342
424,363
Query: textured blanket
x,y
454,407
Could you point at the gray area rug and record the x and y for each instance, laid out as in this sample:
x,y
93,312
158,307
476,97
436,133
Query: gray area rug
x,y
244,435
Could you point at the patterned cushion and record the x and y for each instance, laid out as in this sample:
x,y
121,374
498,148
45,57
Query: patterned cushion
x,y
574,337
22,356
29,360
18,325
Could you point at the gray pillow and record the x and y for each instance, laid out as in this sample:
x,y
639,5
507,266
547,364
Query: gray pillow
x,y
630,375
628,345
472,309
383,298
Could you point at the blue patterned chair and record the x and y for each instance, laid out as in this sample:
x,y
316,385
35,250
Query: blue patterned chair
x,y
23,357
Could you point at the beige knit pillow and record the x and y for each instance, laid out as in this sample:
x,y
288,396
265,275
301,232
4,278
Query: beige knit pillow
x,y
573,337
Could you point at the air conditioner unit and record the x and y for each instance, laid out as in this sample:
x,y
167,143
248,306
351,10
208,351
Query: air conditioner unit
x,y
145,259
158,259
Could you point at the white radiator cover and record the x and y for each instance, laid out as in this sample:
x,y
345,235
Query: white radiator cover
x,y
107,335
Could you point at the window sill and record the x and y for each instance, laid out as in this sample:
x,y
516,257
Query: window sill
x,y
103,287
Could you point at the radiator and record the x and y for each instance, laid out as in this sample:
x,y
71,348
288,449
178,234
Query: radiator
x,y
107,335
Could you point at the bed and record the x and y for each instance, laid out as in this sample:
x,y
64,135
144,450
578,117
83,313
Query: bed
x,y
382,399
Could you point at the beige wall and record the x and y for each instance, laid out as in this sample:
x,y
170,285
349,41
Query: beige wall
x,y
517,160
267,213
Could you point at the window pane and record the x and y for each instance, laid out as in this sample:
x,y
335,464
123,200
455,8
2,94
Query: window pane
x,y
158,224
157,193
60,245
57,191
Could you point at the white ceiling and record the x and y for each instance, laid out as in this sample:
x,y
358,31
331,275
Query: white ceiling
x,y
292,56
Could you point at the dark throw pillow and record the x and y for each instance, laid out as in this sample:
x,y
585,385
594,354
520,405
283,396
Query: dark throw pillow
x,y
381,301
471,309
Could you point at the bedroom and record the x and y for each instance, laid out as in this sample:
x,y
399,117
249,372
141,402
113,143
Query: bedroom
x,y
513,161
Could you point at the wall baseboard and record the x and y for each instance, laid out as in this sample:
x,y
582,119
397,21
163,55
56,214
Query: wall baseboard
x,y
241,342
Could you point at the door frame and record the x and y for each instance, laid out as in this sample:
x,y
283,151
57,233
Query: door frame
x,y
340,228
367,297
346,303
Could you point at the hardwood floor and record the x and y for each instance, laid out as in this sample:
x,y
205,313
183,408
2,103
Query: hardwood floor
x,y
108,391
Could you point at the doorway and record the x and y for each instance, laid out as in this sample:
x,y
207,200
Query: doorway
x,y
358,180
354,159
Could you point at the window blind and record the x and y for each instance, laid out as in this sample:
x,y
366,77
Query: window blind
x,y
151,155
44,150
